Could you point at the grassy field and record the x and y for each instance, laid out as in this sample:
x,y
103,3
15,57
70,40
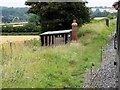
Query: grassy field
x,y
28,65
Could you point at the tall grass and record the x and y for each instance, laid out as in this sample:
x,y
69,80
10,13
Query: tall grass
x,y
28,65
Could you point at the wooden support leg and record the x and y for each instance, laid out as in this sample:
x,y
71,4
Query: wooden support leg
x,y
43,40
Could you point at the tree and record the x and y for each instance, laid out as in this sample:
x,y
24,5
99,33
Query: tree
x,y
105,13
34,19
98,13
59,15
10,14
16,19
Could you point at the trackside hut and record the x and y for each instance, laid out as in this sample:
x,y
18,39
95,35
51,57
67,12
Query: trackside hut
x,y
55,37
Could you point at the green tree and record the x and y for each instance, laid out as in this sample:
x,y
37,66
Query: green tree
x,y
35,19
59,15
10,14
16,19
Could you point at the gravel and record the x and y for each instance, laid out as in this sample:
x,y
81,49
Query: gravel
x,y
106,76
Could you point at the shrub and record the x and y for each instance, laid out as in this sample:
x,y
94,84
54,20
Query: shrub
x,y
30,27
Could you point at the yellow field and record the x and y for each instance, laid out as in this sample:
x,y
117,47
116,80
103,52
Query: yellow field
x,y
4,39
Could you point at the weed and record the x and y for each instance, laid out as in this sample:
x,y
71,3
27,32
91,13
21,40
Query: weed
x,y
64,66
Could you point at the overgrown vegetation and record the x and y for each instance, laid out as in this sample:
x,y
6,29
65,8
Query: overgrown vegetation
x,y
59,15
28,65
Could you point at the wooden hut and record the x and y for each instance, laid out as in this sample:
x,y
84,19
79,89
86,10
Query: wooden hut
x,y
55,37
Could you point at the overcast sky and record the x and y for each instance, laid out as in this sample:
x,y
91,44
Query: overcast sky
x,y
91,3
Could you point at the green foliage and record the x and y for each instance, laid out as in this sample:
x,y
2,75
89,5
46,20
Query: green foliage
x,y
59,16
31,43
111,17
32,66
34,19
14,14
28,28
98,13
90,32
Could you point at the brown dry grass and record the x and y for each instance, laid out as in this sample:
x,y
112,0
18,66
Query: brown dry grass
x,y
4,39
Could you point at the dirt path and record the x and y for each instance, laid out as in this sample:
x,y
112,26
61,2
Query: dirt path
x,y
4,39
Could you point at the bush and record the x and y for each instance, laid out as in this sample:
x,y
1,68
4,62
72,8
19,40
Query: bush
x,y
111,17
30,27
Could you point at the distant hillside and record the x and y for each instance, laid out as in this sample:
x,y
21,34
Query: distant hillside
x,y
14,14
102,11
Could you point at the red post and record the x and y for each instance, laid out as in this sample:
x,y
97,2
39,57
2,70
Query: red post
x,y
74,30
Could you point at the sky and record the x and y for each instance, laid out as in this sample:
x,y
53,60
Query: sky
x,y
91,3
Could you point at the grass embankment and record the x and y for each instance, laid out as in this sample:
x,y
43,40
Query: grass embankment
x,y
27,65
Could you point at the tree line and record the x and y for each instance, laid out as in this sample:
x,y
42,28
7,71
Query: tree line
x,y
11,14
98,13
27,28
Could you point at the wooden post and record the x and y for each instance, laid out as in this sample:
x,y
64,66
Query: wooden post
x,y
43,40
101,54
50,40
11,49
74,30
47,40
54,39
107,22
64,38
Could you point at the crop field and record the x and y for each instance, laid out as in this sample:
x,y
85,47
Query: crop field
x,y
28,65
4,39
